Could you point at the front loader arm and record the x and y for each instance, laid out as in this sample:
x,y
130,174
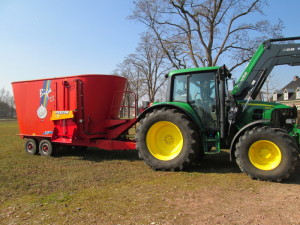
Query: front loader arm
x,y
262,63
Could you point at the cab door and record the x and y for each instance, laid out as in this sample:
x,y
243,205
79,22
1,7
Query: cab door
x,y
202,97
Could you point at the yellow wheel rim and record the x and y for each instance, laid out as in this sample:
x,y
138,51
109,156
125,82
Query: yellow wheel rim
x,y
164,140
265,155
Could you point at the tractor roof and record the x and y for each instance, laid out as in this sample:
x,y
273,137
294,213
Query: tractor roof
x,y
192,70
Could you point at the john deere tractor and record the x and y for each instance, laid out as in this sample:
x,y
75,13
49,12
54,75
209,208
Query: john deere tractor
x,y
202,117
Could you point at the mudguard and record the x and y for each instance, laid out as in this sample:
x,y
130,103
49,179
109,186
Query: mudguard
x,y
241,131
193,117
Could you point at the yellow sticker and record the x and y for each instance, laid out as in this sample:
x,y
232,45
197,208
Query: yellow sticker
x,y
61,115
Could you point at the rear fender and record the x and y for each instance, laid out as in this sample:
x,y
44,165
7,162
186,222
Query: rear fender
x,y
193,117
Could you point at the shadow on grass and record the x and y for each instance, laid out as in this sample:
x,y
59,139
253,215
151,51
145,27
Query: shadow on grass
x,y
295,179
97,155
223,165
215,163
218,163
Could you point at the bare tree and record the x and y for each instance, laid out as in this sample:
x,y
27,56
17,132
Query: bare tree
x,y
135,80
269,87
194,33
146,68
7,104
135,85
3,95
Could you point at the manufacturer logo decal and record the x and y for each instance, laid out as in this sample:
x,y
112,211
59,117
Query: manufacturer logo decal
x,y
42,112
288,49
44,98
244,76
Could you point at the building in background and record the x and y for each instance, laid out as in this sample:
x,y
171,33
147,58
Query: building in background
x,y
290,94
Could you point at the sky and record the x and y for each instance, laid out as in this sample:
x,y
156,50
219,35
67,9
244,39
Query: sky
x,y
53,38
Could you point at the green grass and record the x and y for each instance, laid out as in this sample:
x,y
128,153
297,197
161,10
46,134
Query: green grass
x,y
113,187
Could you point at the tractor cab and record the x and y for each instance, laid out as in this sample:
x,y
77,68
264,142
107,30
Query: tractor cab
x,y
199,90
205,90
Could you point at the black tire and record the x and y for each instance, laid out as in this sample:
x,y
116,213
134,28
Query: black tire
x,y
267,154
186,151
31,147
45,148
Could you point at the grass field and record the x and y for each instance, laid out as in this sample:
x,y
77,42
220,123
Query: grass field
x,y
103,187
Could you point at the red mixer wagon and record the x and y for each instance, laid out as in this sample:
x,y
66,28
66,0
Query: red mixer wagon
x,y
75,111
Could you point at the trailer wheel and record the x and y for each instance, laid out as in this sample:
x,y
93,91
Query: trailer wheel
x,y
31,147
45,148
268,154
167,140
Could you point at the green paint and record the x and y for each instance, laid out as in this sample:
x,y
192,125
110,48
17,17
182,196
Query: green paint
x,y
256,109
212,140
193,70
185,107
249,68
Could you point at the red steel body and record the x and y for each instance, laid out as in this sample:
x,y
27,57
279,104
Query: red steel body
x,y
75,110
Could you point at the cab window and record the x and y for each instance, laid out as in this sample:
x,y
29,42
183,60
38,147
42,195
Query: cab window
x,y
180,88
202,97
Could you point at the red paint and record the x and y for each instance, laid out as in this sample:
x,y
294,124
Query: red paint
x,y
95,101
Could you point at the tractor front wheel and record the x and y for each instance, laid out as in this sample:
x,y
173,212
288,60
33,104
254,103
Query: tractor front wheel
x,y
268,154
167,140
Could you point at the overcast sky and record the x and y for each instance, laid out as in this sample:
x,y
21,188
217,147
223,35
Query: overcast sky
x,y
52,38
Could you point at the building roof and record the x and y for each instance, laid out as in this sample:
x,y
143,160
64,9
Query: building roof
x,y
291,88
278,92
293,84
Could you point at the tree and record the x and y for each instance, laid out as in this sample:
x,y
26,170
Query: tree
x,y
146,68
134,85
135,81
7,104
195,33
269,87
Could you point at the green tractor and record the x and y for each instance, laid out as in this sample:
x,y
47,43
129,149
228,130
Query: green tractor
x,y
202,117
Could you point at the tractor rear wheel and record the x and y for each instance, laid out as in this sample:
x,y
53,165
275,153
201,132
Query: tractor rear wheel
x,y
265,153
167,140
